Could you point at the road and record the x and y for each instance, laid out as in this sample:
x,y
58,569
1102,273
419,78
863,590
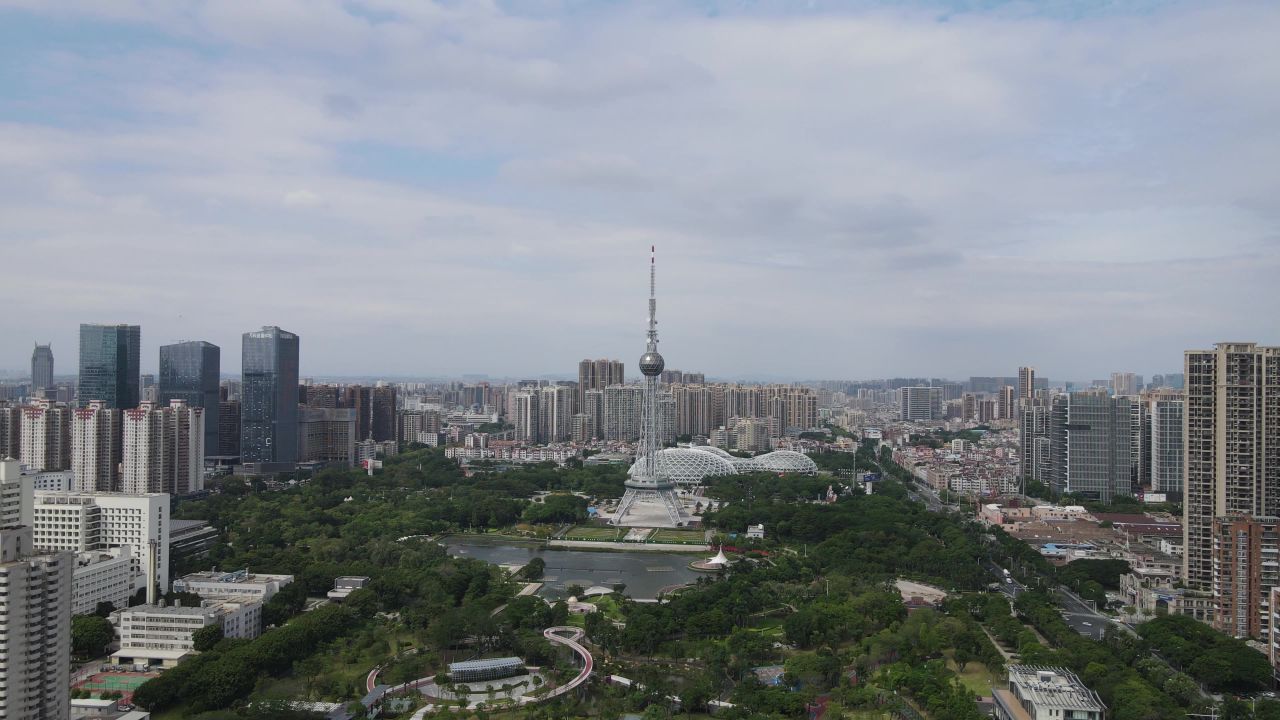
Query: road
x,y
1081,616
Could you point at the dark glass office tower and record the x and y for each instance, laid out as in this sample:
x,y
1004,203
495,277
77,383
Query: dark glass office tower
x,y
269,396
189,371
109,356
41,368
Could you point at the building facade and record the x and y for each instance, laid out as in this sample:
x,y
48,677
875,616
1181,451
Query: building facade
x,y
95,448
1231,445
110,358
921,404
83,522
163,448
327,435
1090,442
41,369
35,629
1245,570
1165,413
44,436
189,371
269,397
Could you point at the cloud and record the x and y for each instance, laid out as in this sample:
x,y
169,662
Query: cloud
x,y
444,183
301,198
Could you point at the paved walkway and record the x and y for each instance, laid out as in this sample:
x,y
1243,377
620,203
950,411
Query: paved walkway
x,y
640,547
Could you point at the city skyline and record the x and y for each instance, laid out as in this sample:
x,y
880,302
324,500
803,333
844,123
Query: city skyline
x,y
340,171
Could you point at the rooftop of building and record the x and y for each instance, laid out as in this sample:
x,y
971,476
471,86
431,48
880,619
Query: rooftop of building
x,y
503,662
233,576
1053,687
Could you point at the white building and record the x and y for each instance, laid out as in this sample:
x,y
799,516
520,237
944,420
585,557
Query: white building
x,y
17,493
45,436
214,585
1045,693
35,629
162,634
102,576
81,522
95,452
163,448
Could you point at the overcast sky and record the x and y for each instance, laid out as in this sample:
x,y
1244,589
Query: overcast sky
x,y
843,190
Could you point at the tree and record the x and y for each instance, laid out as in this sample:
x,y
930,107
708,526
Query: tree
x,y
90,635
963,657
534,569
206,637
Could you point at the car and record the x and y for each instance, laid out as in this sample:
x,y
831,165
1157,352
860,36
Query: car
x,y
1086,623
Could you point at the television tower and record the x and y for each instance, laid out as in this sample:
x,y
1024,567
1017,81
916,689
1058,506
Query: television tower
x,y
646,489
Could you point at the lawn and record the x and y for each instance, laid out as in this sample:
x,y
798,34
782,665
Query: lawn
x,y
976,677
608,607
687,537
594,532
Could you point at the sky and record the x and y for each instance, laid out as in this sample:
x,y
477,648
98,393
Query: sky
x,y
835,190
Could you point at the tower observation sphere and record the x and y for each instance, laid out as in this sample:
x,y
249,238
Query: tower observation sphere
x,y
651,364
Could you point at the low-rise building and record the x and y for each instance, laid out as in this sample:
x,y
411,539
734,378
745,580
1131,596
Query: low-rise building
x,y
1046,693
190,539
345,585
162,634
215,585
102,576
1150,592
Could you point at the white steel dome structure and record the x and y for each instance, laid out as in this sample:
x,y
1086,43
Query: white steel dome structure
x,y
788,461
685,466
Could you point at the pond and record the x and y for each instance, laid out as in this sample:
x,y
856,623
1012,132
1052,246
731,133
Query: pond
x,y
645,574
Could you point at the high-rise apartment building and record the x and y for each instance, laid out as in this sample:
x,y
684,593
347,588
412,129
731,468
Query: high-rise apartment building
x,y
1090,441
1035,426
598,375
622,407
1244,551
109,365
45,436
1231,445
1165,412
1005,403
95,448
41,369
1125,383
594,408
10,429
81,522
525,409
584,430
269,397
694,410
35,629
1026,383
556,408
163,449
189,371
375,411
921,404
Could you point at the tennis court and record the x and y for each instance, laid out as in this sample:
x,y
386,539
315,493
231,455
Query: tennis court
x,y
123,682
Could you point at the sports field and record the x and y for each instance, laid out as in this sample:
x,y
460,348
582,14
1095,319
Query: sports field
x,y
123,682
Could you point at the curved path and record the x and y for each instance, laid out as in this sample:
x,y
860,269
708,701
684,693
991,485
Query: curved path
x,y
557,635
562,635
